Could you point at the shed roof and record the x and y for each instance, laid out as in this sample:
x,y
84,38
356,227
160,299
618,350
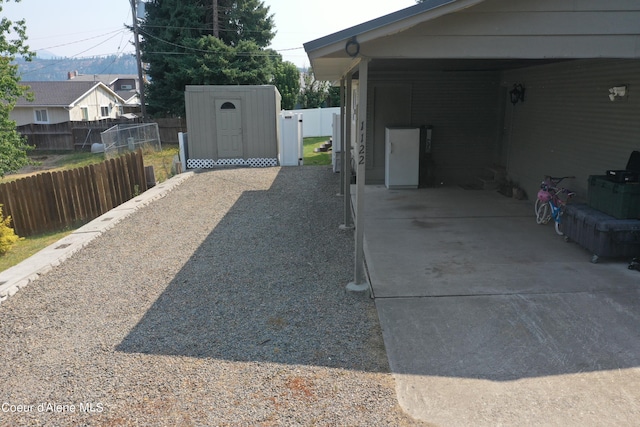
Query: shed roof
x,y
60,93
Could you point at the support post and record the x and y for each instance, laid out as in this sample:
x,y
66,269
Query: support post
x,y
347,223
360,283
342,145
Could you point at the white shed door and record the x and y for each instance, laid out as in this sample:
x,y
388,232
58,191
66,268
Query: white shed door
x,y
229,125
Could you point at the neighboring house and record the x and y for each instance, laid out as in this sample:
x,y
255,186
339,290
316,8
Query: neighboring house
x,y
67,101
125,85
461,66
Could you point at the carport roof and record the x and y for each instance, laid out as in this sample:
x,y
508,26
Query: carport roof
x,y
483,30
379,27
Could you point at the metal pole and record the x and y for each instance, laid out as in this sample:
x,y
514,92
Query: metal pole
x,y
143,107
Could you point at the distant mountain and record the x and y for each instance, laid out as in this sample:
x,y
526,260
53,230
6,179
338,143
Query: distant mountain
x,y
57,69
45,54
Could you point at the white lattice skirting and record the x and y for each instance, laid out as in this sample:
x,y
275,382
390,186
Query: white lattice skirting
x,y
209,163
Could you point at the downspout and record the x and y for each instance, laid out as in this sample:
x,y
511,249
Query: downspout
x,y
360,283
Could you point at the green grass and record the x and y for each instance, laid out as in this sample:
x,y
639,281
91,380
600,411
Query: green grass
x,y
162,161
28,246
316,159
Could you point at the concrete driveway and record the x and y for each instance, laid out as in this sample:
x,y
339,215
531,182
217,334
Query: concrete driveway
x,y
491,319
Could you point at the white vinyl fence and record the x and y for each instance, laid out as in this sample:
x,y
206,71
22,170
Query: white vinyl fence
x,y
317,121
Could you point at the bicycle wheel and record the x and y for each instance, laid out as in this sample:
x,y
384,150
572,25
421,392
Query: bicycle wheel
x,y
543,215
537,205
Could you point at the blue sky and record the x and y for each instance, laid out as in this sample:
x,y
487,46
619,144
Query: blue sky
x,y
83,28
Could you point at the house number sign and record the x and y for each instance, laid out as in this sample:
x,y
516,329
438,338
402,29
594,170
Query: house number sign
x,y
361,146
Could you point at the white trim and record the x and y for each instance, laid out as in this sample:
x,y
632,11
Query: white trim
x,y
210,163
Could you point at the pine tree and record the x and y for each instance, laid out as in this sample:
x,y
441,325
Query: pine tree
x,y
197,42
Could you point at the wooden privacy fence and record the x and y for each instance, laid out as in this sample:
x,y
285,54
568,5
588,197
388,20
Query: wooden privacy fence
x,y
51,201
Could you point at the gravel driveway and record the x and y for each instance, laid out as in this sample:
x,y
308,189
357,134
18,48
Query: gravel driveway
x,y
222,303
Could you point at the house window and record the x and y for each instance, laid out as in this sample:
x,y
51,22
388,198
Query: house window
x,y
104,111
85,114
126,87
42,116
228,106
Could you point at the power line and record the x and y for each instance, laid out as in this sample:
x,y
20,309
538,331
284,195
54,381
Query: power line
x,y
83,40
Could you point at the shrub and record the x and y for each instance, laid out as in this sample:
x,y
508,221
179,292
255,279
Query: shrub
x,y
8,237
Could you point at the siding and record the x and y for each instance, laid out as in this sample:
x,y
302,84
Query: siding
x,y
462,107
567,124
260,111
200,109
26,116
521,29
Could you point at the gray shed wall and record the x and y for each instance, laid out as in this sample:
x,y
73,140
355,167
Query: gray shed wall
x,y
260,107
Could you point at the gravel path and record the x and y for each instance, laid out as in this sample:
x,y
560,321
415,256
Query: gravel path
x,y
221,304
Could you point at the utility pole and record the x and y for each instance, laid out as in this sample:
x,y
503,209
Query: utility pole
x,y
216,20
136,37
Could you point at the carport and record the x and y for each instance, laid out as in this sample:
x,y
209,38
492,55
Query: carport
x,y
519,85
487,317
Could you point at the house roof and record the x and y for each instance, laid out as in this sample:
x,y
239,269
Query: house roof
x,y
375,24
107,79
60,93
328,54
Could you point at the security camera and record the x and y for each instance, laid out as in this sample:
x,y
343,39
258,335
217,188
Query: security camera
x,y
617,91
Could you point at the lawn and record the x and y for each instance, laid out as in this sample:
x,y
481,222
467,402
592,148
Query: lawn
x,y
316,159
26,247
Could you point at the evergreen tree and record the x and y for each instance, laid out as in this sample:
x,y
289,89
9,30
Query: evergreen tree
x,y
13,149
181,48
246,20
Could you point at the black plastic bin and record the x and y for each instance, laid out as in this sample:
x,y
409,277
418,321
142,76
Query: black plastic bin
x,y
630,174
601,234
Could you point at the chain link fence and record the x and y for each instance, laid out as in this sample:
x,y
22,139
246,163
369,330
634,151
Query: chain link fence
x,y
124,138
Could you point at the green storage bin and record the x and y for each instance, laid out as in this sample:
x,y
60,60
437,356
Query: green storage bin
x,y
620,200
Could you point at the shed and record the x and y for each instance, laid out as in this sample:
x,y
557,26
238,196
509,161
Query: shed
x,y
232,125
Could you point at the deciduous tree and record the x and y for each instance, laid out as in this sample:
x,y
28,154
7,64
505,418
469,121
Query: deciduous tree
x,y
13,148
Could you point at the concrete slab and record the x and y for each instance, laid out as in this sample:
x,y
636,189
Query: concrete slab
x,y
491,319
449,241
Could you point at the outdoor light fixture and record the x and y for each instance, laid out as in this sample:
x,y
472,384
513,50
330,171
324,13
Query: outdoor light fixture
x,y
517,93
352,47
617,92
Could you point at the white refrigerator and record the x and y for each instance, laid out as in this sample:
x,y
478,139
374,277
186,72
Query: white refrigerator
x,y
402,157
